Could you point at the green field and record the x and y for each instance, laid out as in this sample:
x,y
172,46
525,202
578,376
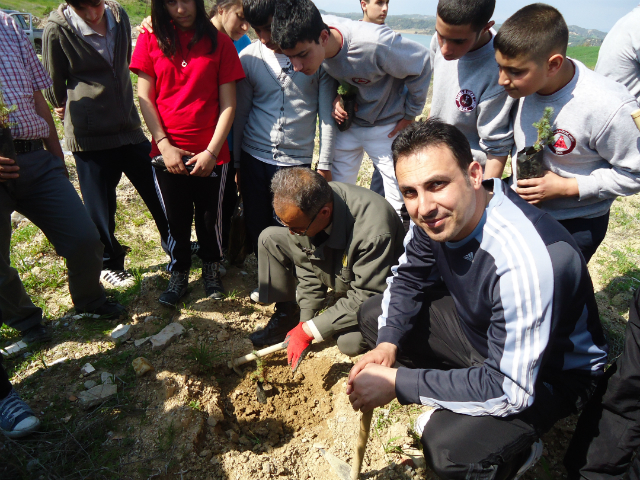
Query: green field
x,y
137,9
587,55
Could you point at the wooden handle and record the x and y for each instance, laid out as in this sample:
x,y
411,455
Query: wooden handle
x,y
254,356
363,436
636,118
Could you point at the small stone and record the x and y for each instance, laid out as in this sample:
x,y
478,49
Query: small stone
x,y
87,369
97,395
17,218
267,468
212,421
223,335
205,453
141,341
244,440
166,336
121,332
150,318
107,378
170,388
72,398
233,435
141,366
66,418
58,360
13,349
89,384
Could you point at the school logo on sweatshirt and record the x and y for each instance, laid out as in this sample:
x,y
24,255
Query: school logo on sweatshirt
x,y
360,81
466,101
563,142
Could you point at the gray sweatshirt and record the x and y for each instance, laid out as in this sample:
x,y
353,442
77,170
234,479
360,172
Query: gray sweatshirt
x,y
380,63
466,94
280,121
619,56
596,142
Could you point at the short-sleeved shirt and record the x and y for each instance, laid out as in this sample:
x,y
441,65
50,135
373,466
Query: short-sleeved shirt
x,y
21,74
187,97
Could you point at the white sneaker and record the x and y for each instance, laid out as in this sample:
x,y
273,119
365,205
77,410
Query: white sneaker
x,y
536,453
117,278
255,297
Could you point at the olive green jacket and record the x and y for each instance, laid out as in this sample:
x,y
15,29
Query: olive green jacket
x,y
355,261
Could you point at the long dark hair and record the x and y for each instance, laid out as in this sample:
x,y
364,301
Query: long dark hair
x,y
165,31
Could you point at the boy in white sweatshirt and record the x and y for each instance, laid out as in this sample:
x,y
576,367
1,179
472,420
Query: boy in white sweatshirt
x,y
594,155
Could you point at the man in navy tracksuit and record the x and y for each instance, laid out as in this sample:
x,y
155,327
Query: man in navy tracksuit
x,y
491,309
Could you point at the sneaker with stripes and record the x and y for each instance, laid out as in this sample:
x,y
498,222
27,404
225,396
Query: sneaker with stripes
x,y
117,278
16,418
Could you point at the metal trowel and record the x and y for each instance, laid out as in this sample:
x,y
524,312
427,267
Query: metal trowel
x,y
341,468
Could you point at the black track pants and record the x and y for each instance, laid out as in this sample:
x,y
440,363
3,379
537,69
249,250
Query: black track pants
x,y
460,446
180,195
608,432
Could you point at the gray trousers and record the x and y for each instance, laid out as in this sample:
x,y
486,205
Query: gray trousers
x,y
277,281
45,196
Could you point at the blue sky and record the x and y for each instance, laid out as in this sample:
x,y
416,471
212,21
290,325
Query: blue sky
x,y
598,14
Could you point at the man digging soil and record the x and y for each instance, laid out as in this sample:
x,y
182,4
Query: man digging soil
x,y
336,235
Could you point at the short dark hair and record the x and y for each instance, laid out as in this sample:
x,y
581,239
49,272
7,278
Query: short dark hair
x,y
433,132
80,3
296,21
536,31
258,12
302,187
476,13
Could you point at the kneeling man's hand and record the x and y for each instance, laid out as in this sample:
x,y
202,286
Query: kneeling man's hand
x,y
297,341
374,386
384,354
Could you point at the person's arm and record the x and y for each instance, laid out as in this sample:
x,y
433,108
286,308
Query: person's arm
x,y
206,161
412,62
56,63
147,96
52,143
618,142
370,272
244,102
326,92
495,129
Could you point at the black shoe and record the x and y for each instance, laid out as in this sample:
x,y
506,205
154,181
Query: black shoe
x,y
177,288
211,279
37,334
286,317
106,310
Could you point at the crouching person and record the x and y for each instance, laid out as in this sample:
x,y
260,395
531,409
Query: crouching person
x,y
337,235
490,313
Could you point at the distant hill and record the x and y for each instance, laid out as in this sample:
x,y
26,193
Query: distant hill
x,y
426,25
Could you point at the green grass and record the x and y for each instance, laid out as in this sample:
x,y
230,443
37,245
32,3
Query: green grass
x,y
586,55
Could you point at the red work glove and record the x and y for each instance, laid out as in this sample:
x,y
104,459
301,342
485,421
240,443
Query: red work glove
x,y
297,343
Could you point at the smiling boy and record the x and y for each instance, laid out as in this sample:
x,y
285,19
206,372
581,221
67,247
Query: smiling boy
x,y
373,58
594,156
466,92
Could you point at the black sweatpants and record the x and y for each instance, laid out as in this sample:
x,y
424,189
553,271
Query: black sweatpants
x,y
460,446
255,183
5,385
588,233
228,204
608,431
99,172
180,195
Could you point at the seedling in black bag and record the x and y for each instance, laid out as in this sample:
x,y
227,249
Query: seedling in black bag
x,y
529,162
347,94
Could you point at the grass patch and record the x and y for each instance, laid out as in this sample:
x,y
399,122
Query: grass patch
x,y
586,55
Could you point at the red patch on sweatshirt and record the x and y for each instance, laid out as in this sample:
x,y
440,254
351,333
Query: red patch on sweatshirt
x,y
466,101
360,81
563,142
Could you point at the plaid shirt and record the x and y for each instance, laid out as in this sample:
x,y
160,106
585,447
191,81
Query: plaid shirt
x,y
21,74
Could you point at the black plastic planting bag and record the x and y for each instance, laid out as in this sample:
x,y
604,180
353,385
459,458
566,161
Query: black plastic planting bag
x,y
529,163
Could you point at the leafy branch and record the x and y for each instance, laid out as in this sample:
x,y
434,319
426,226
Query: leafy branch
x,y
545,130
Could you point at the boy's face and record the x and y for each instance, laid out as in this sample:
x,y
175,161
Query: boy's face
x,y
520,76
264,35
375,11
455,40
307,56
91,13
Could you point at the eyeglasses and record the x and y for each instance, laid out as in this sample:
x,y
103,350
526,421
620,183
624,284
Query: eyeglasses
x,y
294,231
